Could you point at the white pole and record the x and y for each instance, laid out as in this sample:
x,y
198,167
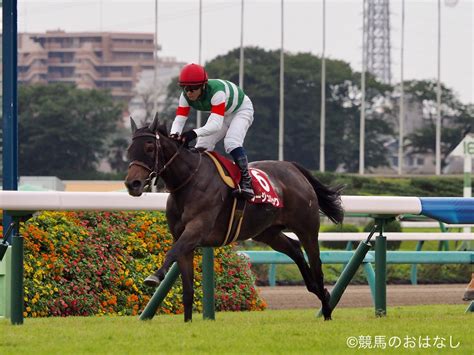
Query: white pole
x,y
198,114
155,60
282,98
241,63
322,132
401,125
467,191
438,97
362,104
100,16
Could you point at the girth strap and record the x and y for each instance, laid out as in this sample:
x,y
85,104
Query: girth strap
x,y
235,221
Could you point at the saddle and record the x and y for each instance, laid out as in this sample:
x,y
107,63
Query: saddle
x,y
262,186
230,175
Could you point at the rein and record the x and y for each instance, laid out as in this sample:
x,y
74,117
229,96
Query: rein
x,y
153,173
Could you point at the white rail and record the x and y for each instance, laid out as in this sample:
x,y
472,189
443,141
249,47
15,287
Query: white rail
x,y
109,201
344,237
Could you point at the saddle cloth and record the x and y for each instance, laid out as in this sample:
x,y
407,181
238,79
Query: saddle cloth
x,y
230,174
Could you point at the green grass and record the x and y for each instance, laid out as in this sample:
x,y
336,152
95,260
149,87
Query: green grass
x,y
280,332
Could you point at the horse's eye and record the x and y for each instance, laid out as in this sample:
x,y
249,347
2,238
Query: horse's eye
x,y
149,147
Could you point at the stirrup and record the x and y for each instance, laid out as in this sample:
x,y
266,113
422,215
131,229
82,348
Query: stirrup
x,y
245,194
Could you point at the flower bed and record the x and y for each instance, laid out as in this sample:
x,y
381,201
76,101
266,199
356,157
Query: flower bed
x,y
91,263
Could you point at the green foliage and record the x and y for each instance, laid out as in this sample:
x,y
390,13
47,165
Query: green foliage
x,y
431,186
456,118
392,226
338,228
444,273
63,130
94,263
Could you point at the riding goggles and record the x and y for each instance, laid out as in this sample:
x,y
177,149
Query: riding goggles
x,y
191,88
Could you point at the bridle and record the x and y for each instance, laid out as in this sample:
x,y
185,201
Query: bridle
x,y
153,172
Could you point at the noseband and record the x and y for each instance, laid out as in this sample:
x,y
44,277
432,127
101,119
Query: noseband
x,y
153,171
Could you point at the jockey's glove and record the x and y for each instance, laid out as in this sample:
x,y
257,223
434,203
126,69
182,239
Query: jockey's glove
x,y
187,137
174,136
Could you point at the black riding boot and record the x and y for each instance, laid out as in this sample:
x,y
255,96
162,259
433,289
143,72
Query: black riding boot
x,y
245,190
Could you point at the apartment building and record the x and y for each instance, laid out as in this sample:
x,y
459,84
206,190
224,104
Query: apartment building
x,y
91,60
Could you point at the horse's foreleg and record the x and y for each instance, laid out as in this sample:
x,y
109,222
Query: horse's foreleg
x,y
187,276
186,243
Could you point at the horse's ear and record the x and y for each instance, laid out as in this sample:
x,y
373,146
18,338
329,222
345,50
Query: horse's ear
x,y
155,124
133,125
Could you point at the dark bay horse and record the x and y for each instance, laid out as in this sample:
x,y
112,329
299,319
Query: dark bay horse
x,y
199,207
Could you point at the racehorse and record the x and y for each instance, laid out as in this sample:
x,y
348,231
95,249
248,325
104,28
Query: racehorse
x,y
200,203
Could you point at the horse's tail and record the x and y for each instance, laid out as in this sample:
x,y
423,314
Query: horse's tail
x,y
329,197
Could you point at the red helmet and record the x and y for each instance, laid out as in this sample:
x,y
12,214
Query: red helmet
x,y
192,74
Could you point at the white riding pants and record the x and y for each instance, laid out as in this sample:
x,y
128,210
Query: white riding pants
x,y
234,129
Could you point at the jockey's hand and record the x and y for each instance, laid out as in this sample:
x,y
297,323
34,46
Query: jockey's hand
x,y
174,136
187,137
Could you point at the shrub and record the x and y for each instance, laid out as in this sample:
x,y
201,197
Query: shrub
x,y
91,263
341,228
392,226
436,186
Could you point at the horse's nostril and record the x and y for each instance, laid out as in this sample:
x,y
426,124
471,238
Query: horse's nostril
x,y
136,184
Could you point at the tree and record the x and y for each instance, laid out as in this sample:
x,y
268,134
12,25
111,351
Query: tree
x,y
344,128
456,119
63,130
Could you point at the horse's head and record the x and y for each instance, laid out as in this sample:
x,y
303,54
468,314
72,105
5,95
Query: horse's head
x,y
145,156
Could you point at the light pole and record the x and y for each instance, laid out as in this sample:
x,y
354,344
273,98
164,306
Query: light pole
x,y
362,102
438,98
198,114
402,98
241,62
282,97
322,131
155,61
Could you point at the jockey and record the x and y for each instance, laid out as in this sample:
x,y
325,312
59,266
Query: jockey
x,y
231,116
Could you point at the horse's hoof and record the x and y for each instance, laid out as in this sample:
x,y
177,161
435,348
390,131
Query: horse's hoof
x,y
152,281
328,318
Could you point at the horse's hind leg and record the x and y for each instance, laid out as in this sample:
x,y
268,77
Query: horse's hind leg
x,y
309,240
280,242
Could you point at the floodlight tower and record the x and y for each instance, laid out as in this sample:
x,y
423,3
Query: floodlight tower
x,y
377,26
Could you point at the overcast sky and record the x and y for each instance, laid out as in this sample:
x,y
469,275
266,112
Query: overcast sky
x,y
178,30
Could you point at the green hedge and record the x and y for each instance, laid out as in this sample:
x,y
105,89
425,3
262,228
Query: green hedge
x,y
430,186
94,263
392,226
337,228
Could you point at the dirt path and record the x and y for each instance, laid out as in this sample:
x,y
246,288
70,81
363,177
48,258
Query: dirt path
x,y
288,297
